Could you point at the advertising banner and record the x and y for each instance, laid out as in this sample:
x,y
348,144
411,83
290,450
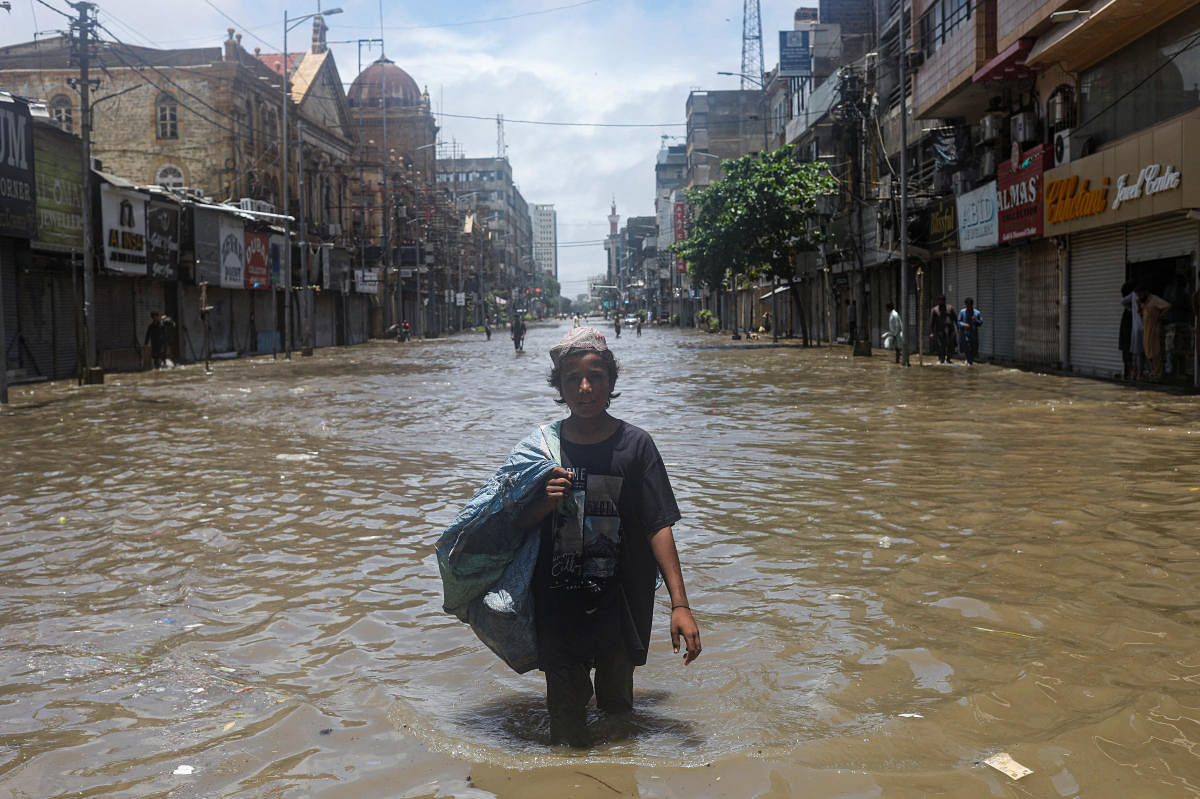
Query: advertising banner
x,y
258,261
680,227
18,207
1019,195
59,191
162,241
977,223
123,221
233,252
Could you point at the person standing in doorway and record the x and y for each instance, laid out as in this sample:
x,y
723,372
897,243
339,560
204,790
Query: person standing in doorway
x,y
969,322
894,338
1153,309
1137,334
1125,335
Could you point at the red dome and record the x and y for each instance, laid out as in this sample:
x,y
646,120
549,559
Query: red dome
x,y
382,77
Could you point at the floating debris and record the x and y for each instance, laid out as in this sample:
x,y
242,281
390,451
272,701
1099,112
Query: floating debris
x,y
184,770
1004,763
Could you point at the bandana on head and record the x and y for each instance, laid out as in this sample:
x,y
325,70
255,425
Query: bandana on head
x,y
581,339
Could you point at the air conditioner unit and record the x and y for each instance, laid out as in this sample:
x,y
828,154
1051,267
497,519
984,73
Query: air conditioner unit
x,y
246,204
335,229
1024,127
1068,147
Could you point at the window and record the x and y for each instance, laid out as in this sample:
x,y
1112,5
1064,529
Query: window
x,y
169,176
1149,81
168,117
941,19
63,112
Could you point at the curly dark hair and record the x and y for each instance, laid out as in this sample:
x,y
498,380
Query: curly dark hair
x,y
610,362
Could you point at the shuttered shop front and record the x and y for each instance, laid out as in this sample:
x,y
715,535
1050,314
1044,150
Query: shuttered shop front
x,y
996,299
1097,272
1160,238
959,271
1037,304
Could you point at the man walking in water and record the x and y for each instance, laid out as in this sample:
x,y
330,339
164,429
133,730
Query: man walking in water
x,y
518,333
969,322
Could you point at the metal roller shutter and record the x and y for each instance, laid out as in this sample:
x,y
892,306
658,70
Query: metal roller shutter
x,y
1037,304
997,301
1160,238
960,277
1097,272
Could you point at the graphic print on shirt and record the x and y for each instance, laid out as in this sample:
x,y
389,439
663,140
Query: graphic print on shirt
x,y
587,536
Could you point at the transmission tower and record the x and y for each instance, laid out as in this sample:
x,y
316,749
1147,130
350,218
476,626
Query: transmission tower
x,y
752,48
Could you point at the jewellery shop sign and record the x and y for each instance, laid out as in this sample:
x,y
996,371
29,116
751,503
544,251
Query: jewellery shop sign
x,y
1131,181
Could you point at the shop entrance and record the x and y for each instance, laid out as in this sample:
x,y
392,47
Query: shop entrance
x,y
1174,280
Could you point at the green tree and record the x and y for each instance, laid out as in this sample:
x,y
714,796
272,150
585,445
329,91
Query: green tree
x,y
755,220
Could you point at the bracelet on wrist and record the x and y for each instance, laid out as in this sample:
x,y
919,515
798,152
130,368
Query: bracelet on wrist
x,y
677,607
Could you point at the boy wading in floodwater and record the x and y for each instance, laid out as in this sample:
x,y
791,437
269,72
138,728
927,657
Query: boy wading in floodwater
x,y
597,569
600,510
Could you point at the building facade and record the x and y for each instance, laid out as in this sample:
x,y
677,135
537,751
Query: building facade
x,y
544,221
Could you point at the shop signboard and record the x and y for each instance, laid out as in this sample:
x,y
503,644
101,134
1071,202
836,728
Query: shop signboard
x,y
1142,176
162,240
18,204
233,252
275,256
680,230
977,223
123,222
1019,195
208,246
59,191
258,263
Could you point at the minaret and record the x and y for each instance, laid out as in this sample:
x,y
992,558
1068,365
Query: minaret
x,y
611,244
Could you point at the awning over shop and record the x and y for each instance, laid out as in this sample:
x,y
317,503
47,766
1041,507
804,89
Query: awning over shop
x,y
1008,65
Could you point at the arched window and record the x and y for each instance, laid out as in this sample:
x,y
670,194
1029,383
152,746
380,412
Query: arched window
x,y
63,112
168,117
169,176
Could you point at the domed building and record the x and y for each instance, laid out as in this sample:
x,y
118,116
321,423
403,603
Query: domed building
x,y
385,91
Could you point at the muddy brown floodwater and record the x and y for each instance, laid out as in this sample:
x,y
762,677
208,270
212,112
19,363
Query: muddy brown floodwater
x,y
897,573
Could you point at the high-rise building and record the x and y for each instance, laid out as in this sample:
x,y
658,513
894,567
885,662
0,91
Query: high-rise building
x,y
545,238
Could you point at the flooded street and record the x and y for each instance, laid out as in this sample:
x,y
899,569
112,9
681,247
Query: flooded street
x,y
897,574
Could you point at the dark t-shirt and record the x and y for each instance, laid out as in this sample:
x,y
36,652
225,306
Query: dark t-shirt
x,y
628,498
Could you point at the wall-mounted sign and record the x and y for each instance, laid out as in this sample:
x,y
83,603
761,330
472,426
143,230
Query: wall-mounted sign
x,y
162,241
123,217
59,190
258,261
18,209
233,253
1150,180
1073,198
1019,195
679,223
978,226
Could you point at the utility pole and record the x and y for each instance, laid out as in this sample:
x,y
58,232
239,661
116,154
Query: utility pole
x,y
83,42
903,225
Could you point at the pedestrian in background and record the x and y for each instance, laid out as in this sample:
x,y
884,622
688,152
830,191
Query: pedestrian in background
x,y
941,330
893,339
1125,335
518,333
156,339
617,324
969,322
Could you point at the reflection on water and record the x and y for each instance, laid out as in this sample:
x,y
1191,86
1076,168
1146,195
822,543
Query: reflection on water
x,y
897,574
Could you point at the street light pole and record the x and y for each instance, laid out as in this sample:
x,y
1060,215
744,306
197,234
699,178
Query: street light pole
x,y
287,227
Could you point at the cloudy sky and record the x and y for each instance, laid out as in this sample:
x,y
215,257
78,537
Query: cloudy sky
x,y
625,64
